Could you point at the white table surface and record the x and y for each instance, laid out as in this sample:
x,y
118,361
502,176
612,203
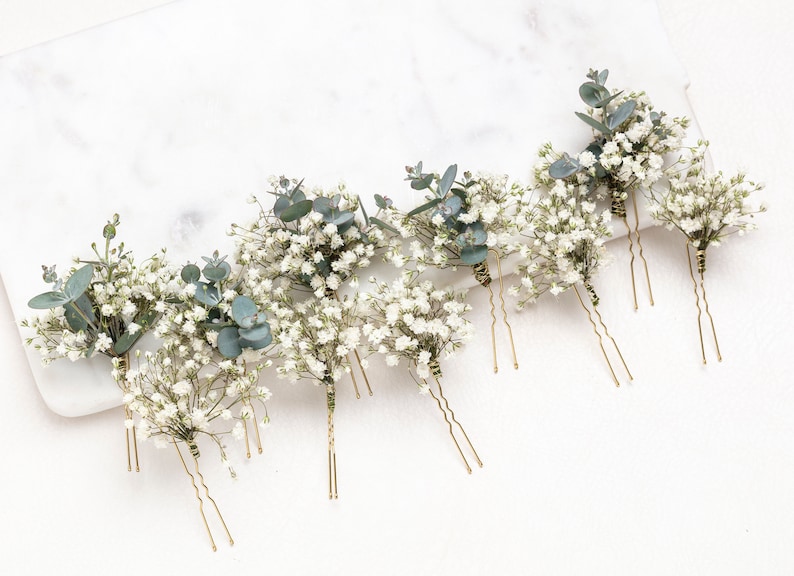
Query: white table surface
x,y
689,470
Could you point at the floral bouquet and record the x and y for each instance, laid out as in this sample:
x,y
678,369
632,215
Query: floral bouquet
x,y
627,152
461,222
415,321
706,208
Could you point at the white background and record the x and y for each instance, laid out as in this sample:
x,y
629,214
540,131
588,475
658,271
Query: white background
x,y
689,470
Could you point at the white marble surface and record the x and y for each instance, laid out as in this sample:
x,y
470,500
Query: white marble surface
x,y
687,471
174,117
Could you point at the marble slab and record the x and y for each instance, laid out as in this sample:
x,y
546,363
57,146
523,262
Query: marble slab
x,y
173,117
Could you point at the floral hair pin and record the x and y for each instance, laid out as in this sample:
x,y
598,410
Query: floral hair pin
x,y
706,208
566,247
103,307
203,381
316,337
460,224
313,239
413,320
627,153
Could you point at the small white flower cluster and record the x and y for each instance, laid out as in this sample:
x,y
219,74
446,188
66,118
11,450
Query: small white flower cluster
x,y
309,251
706,207
120,299
632,155
417,321
316,337
177,396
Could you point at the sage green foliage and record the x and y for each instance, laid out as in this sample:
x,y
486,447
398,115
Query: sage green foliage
x,y
595,94
448,198
81,311
246,326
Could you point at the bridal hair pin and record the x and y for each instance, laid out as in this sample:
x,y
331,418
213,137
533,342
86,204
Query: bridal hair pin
x,y
706,208
460,224
626,154
203,380
316,337
566,248
413,320
102,307
315,240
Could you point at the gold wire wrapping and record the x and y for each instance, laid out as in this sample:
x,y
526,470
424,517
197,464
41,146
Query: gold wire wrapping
x,y
700,256
618,206
481,273
206,493
330,401
449,415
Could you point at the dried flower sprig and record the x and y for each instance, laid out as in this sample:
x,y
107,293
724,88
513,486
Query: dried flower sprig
x,y
626,154
706,207
316,337
177,397
567,246
461,222
104,307
414,320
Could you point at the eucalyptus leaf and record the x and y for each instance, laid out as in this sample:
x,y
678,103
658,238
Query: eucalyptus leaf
x,y
217,273
606,101
323,205
564,167
472,255
363,211
593,123
381,224
74,317
48,300
296,211
344,220
242,307
229,342
190,273
422,183
424,207
380,202
125,342
602,77
447,180
622,114
207,294
78,282
592,94
255,333
282,203
258,344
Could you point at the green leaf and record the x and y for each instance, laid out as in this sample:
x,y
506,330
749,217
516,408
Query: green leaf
x,y
447,180
322,205
381,224
296,211
48,300
74,317
229,342
243,306
592,93
78,282
258,344
424,207
126,341
380,202
256,333
564,167
344,221
217,273
606,101
602,77
422,183
281,204
472,255
622,114
207,294
363,211
593,123
190,273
